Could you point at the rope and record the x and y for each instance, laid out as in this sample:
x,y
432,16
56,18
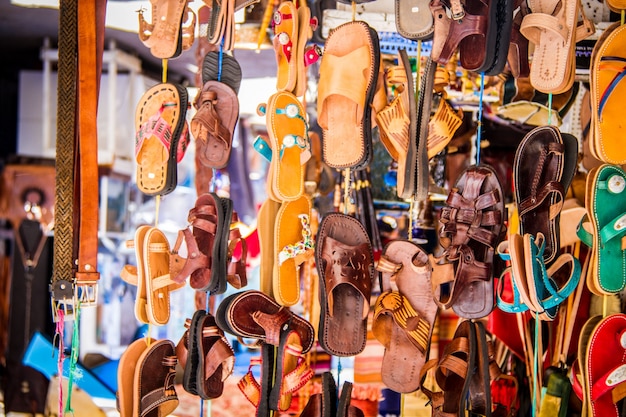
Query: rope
x,y
66,123
60,331
480,116
549,109
73,359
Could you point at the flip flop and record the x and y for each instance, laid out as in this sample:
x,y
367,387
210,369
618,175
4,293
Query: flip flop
x,y
607,84
293,244
213,125
347,84
161,138
344,259
405,314
286,42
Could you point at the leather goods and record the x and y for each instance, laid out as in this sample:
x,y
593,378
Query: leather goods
x,y
258,393
606,85
252,314
343,100
424,104
603,229
397,124
345,263
223,68
161,137
286,42
344,408
553,28
472,224
293,245
616,5
405,314
579,371
486,370
518,48
266,220
413,20
187,352
453,372
323,404
606,382
153,383
214,123
126,376
539,192
171,31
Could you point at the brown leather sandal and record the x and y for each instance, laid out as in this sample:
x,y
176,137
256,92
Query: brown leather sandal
x,y
472,226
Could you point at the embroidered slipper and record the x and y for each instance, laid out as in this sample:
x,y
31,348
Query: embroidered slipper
x,y
164,35
606,376
126,376
413,20
153,385
254,315
469,243
222,67
605,203
216,359
161,138
288,133
347,83
293,245
214,123
344,259
286,42
552,27
607,84
405,314
539,193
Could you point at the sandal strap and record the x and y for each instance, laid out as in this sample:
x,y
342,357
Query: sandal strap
x,y
155,398
207,116
297,378
394,304
236,275
612,381
220,354
301,250
181,268
533,201
614,228
250,387
518,306
272,324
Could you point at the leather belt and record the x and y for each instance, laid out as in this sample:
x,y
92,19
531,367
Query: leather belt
x,y
75,274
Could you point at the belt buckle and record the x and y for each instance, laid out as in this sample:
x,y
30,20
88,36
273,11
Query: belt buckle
x,y
62,299
86,292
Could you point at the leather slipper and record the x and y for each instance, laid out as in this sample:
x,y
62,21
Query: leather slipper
x,y
164,35
605,203
187,352
288,133
268,213
346,87
469,244
154,392
453,372
539,193
213,125
344,259
552,27
223,68
405,314
216,359
293,245
607,84
252,314
286,42
161,137
606,379
126,376
323,404
344,406
412,19
258,393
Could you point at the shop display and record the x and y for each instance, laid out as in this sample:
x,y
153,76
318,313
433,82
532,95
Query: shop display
x,y
529,230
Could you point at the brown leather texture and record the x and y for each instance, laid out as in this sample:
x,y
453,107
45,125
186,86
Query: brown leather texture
x,y
539,194
345,264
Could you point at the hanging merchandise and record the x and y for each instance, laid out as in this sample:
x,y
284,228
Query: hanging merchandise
x,y
172,29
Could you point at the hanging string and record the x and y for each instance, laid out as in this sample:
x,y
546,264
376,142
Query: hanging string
x,y
156,210
623,16
73,359
480,116
411,214
148,333
220,58
401,404
201,407
605,304
213,181
339,372
550,109
353,11
60,334
164,75
206,306
346,189
536,364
